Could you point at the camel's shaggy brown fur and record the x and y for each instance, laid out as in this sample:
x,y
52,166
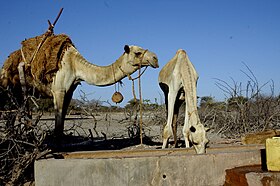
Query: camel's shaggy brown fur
x,y
45,63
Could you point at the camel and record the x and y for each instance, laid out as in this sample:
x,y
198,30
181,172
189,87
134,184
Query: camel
x,y
178,80
73,69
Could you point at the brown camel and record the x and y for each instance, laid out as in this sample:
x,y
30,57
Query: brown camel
x,y
72,68
178,80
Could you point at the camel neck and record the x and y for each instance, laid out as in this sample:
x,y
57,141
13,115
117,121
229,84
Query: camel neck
x,y
193,114
191,101
94,74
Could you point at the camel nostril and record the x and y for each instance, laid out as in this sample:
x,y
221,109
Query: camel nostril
x,y
155,62
155,59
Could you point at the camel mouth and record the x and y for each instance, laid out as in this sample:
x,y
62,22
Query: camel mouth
x,y
153,63
155,66
150,59
146,63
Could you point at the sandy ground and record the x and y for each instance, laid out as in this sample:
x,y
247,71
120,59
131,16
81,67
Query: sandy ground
x,y
118,131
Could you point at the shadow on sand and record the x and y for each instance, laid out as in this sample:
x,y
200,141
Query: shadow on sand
x,y
78,143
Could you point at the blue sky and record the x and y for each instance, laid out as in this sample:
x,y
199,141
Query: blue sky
x,y
218,35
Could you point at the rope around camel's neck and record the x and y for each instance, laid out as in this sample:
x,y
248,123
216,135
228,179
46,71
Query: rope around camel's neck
x,y
129,76
133,91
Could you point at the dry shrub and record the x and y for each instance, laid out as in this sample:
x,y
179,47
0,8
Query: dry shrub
x,y
20,143
247,109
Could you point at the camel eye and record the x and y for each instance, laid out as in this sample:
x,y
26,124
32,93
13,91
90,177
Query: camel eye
x,y
192,129
138,54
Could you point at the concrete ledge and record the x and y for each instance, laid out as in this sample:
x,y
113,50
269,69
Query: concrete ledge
x,y
145,167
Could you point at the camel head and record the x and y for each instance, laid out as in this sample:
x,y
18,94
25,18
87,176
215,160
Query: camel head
x,y
136,56
198,138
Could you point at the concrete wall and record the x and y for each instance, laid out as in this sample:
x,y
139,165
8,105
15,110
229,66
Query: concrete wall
x,y
153,167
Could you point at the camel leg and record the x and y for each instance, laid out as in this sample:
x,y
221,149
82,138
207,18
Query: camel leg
x,y
67,99
58,106
174,128
177,105
62,100
167,131
186,127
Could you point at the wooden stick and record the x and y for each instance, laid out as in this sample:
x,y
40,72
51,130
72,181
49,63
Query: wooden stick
x,y
22,79
141,108
51,26
60,12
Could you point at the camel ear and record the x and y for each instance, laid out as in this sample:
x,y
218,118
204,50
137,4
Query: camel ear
x,y
126,49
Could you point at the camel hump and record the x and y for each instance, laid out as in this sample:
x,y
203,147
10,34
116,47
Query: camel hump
x,y
186,64
181,51
181,55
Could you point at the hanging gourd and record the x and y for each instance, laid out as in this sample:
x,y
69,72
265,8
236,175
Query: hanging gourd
x,y
117,97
